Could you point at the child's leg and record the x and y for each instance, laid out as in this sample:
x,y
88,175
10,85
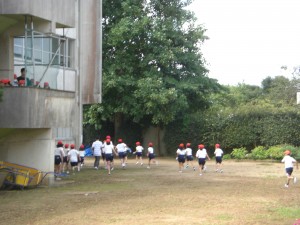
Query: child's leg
x,y
141,159
108,163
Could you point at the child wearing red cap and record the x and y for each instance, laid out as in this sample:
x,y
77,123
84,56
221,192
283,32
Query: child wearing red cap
x,y
181,153
151,155
201,155
289,165
74,158
65,160
81,154
139,152
189,156
219,155
109,150
121,149
58,158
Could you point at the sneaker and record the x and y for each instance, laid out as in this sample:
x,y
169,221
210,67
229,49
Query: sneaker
x,y
200,174
217,170
180,171
68,172
109,174
187,166
295,180
96,167
112,169
204,168
221,171
286,185
142,164
148,167
194,169
136,163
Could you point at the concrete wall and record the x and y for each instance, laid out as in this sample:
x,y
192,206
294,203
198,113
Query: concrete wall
x,y
25,107
30,147
57,11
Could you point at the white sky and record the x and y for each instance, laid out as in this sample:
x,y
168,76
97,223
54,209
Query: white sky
x,y
249,39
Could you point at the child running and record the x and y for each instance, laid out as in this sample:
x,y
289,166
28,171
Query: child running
x,y
201,155
121,149
289,164
109,150
139,152
150,155
74,158
219,155
181,153
58,158
81,154
65,160
189,156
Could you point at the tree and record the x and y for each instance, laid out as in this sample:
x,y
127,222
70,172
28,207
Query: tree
x,y
153,69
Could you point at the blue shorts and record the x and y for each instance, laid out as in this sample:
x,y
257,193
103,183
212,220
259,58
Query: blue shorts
x,y
218,159
74,163
57,160
289,170
181,158
122,155
109,157
201,161
189,158
151,156
139,154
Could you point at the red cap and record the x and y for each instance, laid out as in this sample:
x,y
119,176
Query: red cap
x,y
107,137
120,140
72,146
21,82
81,147
46,84
66,145
138,143
107,140
60,143
217,145
15,76
37,83
287,152
181,145
5,81
150,144
201,146
188,144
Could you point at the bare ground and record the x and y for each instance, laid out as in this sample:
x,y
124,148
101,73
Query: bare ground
x,y
246,193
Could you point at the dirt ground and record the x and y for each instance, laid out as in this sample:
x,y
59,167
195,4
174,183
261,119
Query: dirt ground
x,y
246,193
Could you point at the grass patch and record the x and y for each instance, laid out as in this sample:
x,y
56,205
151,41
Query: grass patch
x,y
288,212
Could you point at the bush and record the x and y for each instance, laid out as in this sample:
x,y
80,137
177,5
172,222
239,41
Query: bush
x,y
275,152
259,153
227,156
239,153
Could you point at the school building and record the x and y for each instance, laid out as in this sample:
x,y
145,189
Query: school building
x,y
59,45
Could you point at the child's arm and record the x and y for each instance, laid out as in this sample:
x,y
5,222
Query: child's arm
x,y
207,156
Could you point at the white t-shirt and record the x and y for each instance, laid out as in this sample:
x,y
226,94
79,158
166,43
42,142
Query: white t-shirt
x,y
66,150
97,145
150,150
59,151
201,154
218,152
81,153
121,147
108,149
288,161
181,152
73,154
189,151
139,148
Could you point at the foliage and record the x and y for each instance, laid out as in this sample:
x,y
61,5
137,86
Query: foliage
x,y
153,69
259,153
239,153
1,93
226,156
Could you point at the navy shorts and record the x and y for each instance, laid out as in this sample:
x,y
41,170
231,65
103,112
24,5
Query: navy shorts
x,y
74,163
201,161
81,159
109,157
189,158
66,159
289,171
151,156
122,155
218,159
57,160
139,154
181,158
103,156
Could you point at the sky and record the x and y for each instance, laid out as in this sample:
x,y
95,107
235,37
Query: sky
x,y
249,40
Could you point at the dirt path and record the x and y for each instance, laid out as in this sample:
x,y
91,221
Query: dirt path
x,y
246,193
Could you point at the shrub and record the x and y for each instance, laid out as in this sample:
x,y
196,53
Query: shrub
x,y
239,153
275,152
226,156
259,153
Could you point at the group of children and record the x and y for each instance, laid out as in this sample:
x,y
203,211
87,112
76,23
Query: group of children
x,y
65,154
185,154
107,151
